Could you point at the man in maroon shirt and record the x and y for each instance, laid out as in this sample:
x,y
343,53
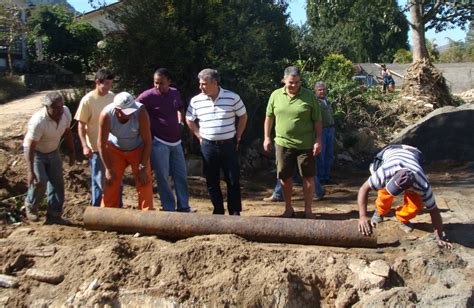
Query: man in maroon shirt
x,y
164,105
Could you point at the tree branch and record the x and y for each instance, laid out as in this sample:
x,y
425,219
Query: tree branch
x,y
433,11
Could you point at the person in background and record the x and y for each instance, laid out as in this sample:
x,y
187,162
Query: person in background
x,y
325,159
388,82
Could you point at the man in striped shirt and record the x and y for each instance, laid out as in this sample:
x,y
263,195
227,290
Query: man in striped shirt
x,y
216,109
397,169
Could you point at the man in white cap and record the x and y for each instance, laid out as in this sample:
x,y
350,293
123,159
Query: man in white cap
x,y
41,146
395,170
125,139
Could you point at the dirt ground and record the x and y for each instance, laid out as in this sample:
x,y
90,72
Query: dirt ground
x,y
104,269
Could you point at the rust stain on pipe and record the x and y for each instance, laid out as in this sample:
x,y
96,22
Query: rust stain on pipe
x,y
261,229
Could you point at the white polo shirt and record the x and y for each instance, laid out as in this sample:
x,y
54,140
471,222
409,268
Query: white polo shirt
x,y
216,119
45,131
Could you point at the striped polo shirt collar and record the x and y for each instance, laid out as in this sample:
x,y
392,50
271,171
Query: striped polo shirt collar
x,y
219,94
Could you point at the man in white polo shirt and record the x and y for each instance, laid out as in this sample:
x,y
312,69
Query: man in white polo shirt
x,y
219,135
45,172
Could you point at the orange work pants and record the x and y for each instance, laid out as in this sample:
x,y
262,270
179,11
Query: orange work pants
x,y
120,160
412,205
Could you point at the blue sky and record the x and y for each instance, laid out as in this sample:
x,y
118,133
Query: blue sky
x,y
298,14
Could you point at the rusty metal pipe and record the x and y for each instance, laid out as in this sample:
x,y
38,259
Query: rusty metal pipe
x,y
261,229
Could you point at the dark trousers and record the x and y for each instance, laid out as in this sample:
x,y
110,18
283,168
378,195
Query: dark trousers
x,y
217,155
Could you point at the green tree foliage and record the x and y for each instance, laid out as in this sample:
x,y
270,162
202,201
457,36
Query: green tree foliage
x,y
247,41
459,51
64,40
13,29
403,56
337,71
438,15
470,34
361,30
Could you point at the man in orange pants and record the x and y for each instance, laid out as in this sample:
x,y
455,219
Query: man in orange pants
x,y
395,170
125,139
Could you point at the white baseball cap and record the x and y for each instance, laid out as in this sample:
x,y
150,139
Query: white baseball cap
x,y
126,103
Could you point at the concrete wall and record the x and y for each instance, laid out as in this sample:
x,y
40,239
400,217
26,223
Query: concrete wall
x,y
459,76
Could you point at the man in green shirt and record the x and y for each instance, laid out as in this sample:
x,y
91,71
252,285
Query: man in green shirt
x,y
298,129
326,158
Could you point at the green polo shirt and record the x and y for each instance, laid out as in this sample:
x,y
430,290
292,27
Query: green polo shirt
x,y
326,113
295,118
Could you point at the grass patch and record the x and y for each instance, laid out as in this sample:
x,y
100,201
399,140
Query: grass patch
x,y
11,88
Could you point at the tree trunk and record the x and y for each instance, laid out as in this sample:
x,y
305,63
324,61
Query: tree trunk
x,y
9,53
418,30
424,87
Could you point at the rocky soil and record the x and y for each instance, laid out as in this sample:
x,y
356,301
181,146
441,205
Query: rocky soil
x,y
48,265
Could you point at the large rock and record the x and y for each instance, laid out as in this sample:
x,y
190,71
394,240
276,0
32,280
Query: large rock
x,y
445,133
396,297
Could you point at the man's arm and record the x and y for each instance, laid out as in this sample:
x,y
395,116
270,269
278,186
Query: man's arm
x,y
180,115
241,126
104,130
194,128
145,133
267,132
318,127
70,143
365,224
29,157
437,222
81,131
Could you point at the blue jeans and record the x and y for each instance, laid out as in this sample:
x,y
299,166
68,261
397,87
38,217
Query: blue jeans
x,y
277,193
48,169
169,160
97,180
325,159
223,155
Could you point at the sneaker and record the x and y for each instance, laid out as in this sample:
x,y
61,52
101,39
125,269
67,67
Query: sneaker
x,y
51,220
407,227
31,214
319,198
272,198
376,218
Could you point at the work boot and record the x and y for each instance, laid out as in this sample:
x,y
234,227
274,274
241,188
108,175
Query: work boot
x,y
31,214
407,227
376,218
57,220
272,198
